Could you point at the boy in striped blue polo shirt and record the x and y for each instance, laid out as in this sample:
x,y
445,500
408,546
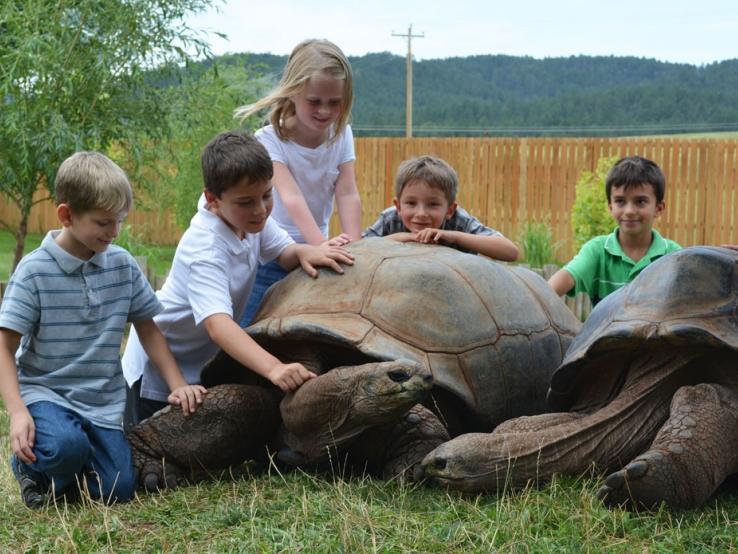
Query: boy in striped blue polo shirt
x,y
66,306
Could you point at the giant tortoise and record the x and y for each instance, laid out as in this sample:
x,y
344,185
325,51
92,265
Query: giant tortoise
x,y
651,392
489,334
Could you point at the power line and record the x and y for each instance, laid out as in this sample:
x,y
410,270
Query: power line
x,y
554,130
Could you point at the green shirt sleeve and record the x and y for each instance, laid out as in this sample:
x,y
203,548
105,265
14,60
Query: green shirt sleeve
x,y
584,266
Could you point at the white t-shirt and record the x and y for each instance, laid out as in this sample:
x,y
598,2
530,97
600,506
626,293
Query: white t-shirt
x,y
212,272
315,170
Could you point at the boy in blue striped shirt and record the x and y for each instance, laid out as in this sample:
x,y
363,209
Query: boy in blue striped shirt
x,y
66,306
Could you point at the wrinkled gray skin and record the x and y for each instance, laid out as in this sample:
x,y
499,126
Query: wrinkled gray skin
x,y
651,387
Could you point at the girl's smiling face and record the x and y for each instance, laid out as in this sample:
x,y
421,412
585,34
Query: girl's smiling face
x,y
317,106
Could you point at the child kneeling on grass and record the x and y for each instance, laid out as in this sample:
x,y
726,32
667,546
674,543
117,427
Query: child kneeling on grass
x,y
213,271
425,210
66,305
635,197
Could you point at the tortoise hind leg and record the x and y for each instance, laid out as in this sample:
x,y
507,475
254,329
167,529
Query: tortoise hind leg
x,y
693,453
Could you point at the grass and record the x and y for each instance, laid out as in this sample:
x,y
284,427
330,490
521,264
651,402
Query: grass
x,y
537,244
159,257
298,512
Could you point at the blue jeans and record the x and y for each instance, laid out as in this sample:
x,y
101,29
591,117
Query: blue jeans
x,y
266,276
70,448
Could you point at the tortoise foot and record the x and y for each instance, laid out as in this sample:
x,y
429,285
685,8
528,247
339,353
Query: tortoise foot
x,y
156,477
692,454
641,479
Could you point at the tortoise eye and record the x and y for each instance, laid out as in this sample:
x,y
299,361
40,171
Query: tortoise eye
x,y
398,376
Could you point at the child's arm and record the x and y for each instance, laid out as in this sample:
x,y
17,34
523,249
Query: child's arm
x,y
310,256
22,431
232,339
294,202
561,282
493,246
348,201
156,348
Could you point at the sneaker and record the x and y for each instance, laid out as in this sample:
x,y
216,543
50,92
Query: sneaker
x,y
33,495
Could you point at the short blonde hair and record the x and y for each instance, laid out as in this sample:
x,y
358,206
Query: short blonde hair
x,y
91,181
434,171
310,57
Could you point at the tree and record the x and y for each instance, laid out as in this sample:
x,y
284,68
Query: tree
x,y
75,75
590,215
202,106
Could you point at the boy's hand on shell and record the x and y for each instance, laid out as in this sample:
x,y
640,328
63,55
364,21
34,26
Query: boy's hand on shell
x,y
189,397
326,256
430,235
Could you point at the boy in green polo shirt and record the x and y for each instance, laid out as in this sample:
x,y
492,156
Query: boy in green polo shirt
x,y
635,196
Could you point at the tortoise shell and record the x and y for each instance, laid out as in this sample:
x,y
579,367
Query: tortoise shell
x,y
490,333
687,299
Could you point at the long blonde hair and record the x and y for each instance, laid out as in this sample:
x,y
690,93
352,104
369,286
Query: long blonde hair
x,y
308,58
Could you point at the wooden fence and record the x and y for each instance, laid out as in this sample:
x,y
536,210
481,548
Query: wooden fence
x,y
506,182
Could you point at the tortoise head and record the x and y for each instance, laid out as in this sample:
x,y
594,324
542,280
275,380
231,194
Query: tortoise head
x,y
368,394
470,462
337,406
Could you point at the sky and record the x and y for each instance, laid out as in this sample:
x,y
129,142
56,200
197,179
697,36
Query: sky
x,y
687,31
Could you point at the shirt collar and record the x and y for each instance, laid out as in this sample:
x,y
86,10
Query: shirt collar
x,y
657,248
67,261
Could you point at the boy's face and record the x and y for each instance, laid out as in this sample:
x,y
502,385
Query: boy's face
x,y
421,206
244,207
635,209
88,233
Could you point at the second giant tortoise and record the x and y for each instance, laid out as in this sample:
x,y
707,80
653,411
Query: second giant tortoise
x,y
489,334
651,392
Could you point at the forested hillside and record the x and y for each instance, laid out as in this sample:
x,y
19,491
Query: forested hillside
x,y
522,95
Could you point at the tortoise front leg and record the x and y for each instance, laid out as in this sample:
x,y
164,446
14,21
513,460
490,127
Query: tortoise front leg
x,y
693,453
396,449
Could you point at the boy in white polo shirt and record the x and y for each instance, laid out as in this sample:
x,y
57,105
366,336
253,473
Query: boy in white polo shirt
x,y
213,271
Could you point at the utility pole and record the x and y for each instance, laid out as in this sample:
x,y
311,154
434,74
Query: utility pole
x,y
409,79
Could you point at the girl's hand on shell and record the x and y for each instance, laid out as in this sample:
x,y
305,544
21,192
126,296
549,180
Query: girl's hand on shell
x,y
341,240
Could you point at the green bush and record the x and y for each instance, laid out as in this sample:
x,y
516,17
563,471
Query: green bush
x,y
590,216
536,242
131,240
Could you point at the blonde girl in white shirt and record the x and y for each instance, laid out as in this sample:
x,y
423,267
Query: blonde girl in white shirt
x,y
311,146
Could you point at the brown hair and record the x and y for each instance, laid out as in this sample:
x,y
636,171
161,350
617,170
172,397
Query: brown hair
x,y
634,171
229,157
434,171
91,181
